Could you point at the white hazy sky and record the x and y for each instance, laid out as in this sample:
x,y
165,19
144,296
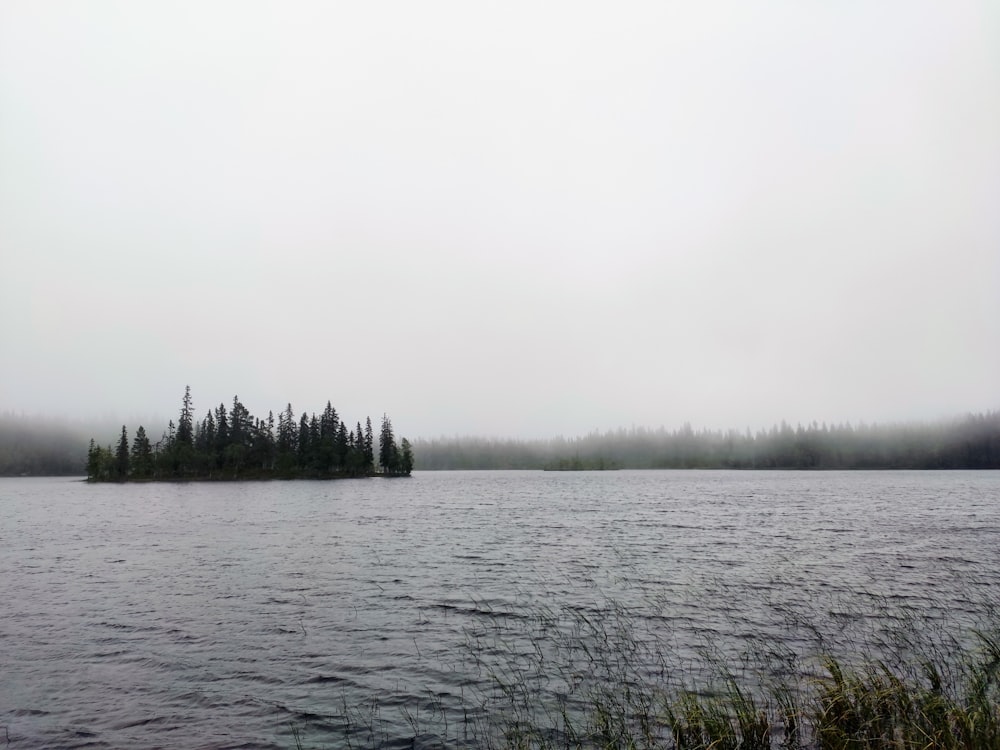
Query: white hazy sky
x,y
516,218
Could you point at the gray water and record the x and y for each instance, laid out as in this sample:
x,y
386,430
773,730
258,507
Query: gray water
x,y
225,615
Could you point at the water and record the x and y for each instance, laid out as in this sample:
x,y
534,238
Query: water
x,y
223,615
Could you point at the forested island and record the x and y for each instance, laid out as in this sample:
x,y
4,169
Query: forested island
x,y
233,444
970,442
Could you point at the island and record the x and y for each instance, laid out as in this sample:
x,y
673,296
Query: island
x,y
234,445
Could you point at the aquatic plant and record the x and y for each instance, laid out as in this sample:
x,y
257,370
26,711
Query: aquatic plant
x,y
600,677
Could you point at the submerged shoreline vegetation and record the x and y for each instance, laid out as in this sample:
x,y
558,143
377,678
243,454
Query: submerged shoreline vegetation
x,y
970,442
235,445
600,678
620,691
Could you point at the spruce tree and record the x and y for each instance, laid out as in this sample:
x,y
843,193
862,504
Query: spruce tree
x,y
185,428
142,455
287,441
369,446
302,454
406,457
121,457
387,446
342,446
221,434
93,461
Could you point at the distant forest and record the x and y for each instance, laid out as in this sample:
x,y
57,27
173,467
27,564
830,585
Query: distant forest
x,y
44,447
234,444
971,442
41,447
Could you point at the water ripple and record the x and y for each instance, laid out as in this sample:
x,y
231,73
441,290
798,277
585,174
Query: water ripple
x,y
216,615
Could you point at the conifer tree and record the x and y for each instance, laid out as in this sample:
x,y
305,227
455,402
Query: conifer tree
x,y
387,447
185,427
406,457
342,446
93,461
369,446
329,422
221,434
121,456
239,423
142,454
302,452
287,441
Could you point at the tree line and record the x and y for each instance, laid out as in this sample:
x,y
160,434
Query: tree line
x,y
45,446
970,442
233,444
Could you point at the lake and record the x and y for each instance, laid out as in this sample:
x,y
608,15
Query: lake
x,y
384,612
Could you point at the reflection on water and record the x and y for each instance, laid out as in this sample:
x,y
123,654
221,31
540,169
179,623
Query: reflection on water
x,y
214,615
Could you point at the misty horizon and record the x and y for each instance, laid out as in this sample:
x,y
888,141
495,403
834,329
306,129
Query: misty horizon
x,y
155,424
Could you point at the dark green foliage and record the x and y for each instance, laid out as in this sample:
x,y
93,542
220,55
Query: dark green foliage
x,y
142,455
221,433
237,445
121,457
406,457
287,440
342,446
93,460
388,452
185,427
101,464
369,447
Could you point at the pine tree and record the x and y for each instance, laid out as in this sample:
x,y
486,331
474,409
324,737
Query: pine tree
x,y
369,446
239,423
93,462
142,454
121,457
342,446
304,442
185,427
360,463
406,457
221,434
287,441
328,422
387,447
328,427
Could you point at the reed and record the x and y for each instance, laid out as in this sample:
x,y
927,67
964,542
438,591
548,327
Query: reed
x,y
603,678
596,685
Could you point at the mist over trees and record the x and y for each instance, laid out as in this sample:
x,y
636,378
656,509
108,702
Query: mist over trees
x,y
229,439
32,446
233,444
971,442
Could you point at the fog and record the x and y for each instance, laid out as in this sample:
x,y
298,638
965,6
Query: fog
x,y
501,219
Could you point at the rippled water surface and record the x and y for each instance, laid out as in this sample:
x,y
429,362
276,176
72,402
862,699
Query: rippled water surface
x,y
223,615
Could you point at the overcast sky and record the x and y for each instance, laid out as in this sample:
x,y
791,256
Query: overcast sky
x,y
512,219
